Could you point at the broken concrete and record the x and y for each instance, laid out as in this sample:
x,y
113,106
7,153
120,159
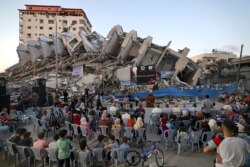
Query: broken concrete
x,y
109,60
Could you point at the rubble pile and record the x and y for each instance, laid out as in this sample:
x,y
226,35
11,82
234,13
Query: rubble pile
x,y
107,61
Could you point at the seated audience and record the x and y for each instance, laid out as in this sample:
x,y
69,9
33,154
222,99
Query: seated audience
x,y
84,123
41,143
117,123
27,140
131,121
53,144
15,138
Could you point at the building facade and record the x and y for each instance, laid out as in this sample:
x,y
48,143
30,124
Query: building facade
x,y
38,20
210,58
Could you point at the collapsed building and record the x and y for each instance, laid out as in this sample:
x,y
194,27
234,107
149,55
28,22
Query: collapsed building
x,y
107,61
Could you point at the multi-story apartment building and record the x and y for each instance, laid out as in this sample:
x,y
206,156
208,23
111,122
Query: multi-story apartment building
x,y
210,58
38,20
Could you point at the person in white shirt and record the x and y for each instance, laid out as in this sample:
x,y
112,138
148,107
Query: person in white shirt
x,y
113,109
157,110
126,115
232,150
53,144
176,109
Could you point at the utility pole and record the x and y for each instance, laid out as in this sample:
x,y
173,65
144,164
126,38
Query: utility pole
x,y
56,57
238,73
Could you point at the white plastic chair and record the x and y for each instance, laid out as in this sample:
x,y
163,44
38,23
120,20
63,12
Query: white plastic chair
x,y
104,130
195,138
10,151
117,133
3,127
52,154
128,132
76,131
125,122
85,160
99,156
119,156
84,131
69,128
206,136
37,155
197,125
183,142
22,117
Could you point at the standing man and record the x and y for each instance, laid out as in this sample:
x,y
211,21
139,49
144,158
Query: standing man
x,y
231,151
207,105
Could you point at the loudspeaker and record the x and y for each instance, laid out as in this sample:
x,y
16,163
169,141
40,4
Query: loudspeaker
x,y
5,102
2,86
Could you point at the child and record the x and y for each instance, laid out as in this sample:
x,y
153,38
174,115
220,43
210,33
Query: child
x,y
64,146
112,144
124,144
84,155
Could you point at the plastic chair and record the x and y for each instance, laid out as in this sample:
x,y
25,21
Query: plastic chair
x,y
76,129
99,156
84,131
3,127
117,133
4,148
197,125
46,127
19,151
22,117
10,151
119,156
125,122
195,138
128,132
69,128
186,123
154,120
183,142
206,136
141,134
169,140
37,155
85,159
177,124
52,154
104,130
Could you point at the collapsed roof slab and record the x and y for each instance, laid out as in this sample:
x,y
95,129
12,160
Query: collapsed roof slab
x,y
113,43
126,46
46,46
58,44
23,54
34,48
142,50
67,36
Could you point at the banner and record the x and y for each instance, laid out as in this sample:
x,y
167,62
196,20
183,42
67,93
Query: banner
x,y
167,74
77,70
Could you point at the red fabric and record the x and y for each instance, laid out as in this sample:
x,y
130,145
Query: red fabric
x,y
164,123
76,119
217,141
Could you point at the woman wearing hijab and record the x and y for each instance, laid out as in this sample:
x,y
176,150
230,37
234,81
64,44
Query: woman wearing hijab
x,y
117,123
86,124
138,124
76,118
104,121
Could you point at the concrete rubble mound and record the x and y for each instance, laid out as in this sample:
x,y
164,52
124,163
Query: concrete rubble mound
x,y
107,61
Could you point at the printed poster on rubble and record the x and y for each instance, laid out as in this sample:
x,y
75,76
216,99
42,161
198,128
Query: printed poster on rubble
x,y
77,69
167,74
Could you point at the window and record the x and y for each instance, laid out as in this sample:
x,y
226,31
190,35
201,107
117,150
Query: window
x,y
65,22
41,28
35,34
50,28
29,35
29,20
60,20
29,27
50,35
40,34
74,22
30,8
51,21
41,20
59,28
74,29
81,21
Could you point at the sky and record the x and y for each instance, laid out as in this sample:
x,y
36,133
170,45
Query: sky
x,y
200,25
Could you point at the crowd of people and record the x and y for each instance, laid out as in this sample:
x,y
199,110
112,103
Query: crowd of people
x,y
226,122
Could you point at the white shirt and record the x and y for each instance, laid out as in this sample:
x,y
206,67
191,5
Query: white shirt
x,y
53,145
112,110
232,151
125,116
156,110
